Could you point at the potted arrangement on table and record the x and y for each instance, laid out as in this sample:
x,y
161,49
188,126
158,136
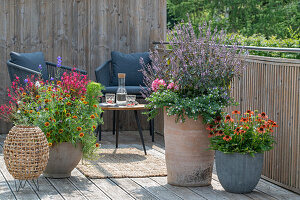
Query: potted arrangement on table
x,y
191,82
70,114
26,150
240,141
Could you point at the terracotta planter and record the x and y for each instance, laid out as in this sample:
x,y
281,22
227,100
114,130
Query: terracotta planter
x,y
189,163
63,158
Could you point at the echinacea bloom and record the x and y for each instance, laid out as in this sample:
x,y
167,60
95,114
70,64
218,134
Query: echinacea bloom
x,y
68,95
48,135
92,116
94,127
82,99
227,138
97,145
220,133
30,111
236,112
47,123
60,98
58,82
242,131
271,130
228,118
37,96
50,144
218,119
75,117
60,130
79,128
95,106
260,129
38,113
274,124
47,109
23,93
244,119
263,115
211,134
49,89
237,130
81,134
249,112
69,103
210,127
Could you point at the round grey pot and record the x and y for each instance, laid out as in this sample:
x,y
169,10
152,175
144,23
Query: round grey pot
x,y
239,173
63,158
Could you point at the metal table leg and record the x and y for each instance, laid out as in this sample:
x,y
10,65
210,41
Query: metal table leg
x,y
100,128
117,128
152,129
140,130
114,122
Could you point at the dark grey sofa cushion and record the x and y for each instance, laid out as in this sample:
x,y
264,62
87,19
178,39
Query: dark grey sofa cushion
x,y
31,61
130,89
129,64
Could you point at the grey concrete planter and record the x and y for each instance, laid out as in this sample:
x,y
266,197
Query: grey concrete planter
x,y
239,173
63,158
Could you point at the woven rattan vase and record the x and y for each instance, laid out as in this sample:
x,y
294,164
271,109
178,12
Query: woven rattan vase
x,y
26,152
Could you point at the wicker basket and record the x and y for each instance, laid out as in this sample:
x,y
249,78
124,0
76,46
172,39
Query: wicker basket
x,y
26,152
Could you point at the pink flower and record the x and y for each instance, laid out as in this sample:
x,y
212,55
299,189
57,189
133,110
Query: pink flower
x,y
170,86
176,87
157,83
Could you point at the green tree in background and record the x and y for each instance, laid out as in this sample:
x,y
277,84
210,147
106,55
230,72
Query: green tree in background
x,y
280,18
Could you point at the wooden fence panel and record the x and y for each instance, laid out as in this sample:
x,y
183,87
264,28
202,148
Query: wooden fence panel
x,y
272,85
83,32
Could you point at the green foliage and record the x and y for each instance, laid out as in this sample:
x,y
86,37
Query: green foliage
x,y
208,105
266,17
261,41
247,133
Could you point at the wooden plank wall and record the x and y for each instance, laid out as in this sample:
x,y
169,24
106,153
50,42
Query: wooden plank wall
x,y
83,32
272,85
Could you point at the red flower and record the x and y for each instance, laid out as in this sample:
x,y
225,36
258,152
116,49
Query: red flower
x,y
263,115
244,119
274,124
228,118
237,130
227,138
210,127
260,129
236,112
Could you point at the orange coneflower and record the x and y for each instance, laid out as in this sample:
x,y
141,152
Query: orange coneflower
x,y
47,123
68,114
85,102
271,130
244,119
263,115
48,135
50,144
260,129
54,120
246,127
69,103
47,109
97,145
92,116
68,95
82,99
58,82
274,124
46,100
79,128
236,112
95,106
49,89
220,133
228,118
23,93
60,98
242,131
75,117
227,138
50,118
218,119
249,112
38,113
81,134
94,127
57,89
237,130
211,134
30,111
39,102
60,130
37,96
210,127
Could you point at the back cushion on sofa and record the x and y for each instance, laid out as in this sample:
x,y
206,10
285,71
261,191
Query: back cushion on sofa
x,y
129,64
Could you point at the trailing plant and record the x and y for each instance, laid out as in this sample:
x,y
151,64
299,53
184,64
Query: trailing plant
x,y
247,133
193,77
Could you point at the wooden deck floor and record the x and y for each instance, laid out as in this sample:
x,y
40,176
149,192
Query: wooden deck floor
x,y
80,187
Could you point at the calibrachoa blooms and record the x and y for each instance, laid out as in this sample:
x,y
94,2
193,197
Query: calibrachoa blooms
x,y
250,132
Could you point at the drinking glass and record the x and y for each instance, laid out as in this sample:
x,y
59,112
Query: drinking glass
x,y
110,98
130,100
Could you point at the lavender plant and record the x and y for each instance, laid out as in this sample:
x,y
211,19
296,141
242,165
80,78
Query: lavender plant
x,y
198,67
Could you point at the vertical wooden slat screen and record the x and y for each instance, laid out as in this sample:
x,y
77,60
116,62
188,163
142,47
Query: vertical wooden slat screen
x,y
83,32
272,85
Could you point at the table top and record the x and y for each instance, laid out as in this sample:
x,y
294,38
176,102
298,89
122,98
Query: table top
x,y
137,107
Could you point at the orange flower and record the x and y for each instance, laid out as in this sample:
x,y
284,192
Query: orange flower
x,y
95,106
48,135
38,113
228,118
57,89
60,98
47,109
23,93
242,131
220,133
244,119
218,119
49,89
58,82
263,115
236,112
94,127
81,134
92,116
50,144
68,95
39,102
69,103
271,130
68,114
211,134
56,112
75,117
85,102
97,145
82,99
79,128
260,129
46,100
227,138
249,112
30,111
50,118
237,130
60,130
246,127
53,120
210,127
274,124
47,123
96,115
37,96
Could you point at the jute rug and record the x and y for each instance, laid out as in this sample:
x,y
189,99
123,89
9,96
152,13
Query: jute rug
x,y
127,162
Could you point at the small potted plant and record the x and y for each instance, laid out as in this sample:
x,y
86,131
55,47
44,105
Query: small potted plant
x,y
240,141
69,116
191,82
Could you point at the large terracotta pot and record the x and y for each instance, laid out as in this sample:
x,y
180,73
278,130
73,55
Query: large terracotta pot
x,y
63,158
189,162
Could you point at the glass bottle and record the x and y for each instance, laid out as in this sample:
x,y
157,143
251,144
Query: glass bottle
x,y
121,92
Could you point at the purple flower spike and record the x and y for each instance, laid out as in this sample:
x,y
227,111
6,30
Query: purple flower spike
x,y
26,80
59,60
51,79
40,67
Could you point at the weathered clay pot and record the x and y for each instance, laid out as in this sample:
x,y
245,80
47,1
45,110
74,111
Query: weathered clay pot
x,y
239,173
63,158
189,162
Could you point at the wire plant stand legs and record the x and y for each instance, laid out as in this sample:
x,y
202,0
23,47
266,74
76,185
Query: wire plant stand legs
x,y
21,184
